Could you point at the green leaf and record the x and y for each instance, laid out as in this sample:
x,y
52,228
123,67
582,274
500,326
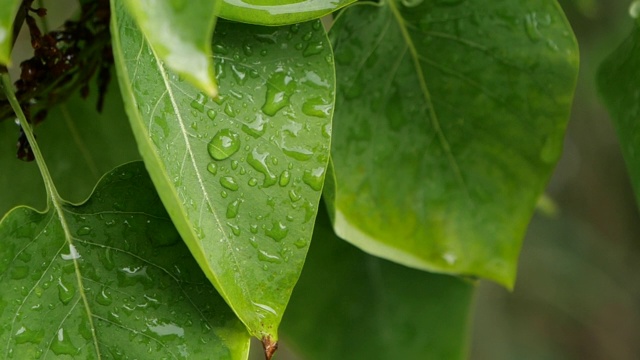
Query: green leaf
x,y
241,176
180,33
80,145
7,15
108,279
450,119
619,86
278,12
369,308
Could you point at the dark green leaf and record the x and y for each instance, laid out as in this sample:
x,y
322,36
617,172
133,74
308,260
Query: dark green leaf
x,y
450,119
619,86
350,305
179,32
108,279
7,15
80,145
241,175
278,12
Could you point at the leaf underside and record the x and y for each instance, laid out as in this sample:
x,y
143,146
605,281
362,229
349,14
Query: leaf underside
x,y
450,118
241,175
278,12
122,285
370,308
619,86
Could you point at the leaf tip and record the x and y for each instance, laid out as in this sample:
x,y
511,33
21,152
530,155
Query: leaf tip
x,y
269,346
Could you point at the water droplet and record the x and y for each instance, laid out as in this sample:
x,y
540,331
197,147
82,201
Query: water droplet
x,y
198,102
224,144
73,252
280,87
285,177
62,344
634,9
252,182
246,48
253,228
26,335
228,109
229,182
278,231
316,25
314,178
256,128
293,195
234,164
223,194
212,114
232,208
300,243
104,297
313,48
66,292
450,258
317,107
296,152
307,36
235,229
294,28
299,46
411,3
531,26
212,168
265,256
84,230
258,161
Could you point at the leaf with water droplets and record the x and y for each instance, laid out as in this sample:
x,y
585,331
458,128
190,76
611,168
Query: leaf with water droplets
x,y
180,32
243,184
619,86
90,281
7,15
370,308
451,116
279,12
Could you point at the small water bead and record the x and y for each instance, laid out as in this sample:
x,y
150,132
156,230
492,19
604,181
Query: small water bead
x,y
300,243
314,178
257,127
228,109
199,102
232,208
229,183
299,46
212,168
224,194
84,230
253,228
212,114
294,28
252,182
224,144
242,170
234,164
411,3
235,229
258,161
285,177
313,48
280,87
265,256
317,107
293,195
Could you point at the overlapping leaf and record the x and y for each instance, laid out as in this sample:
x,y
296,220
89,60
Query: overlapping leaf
x,y
7,15
108,279
180,33
78,143
619,86
241,175
350,305
450,118
278,12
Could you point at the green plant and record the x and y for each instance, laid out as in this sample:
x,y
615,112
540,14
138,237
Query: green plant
x,y
449,119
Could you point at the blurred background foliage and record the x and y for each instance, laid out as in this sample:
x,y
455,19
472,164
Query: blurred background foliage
x,y
576,296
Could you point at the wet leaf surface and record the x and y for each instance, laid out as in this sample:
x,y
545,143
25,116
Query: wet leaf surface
x,y
110,278
450,118
241,175
278,12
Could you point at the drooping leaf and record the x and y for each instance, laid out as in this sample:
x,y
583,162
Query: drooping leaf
x,y
450,118
240,175
619,86
278,12
108,279
79,144
7,15
180,33
351,305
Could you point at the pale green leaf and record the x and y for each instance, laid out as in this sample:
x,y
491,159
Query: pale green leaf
x,y
241,175
450,118
108,279
8,12
351,305
278,12
79,144
180,33
619,85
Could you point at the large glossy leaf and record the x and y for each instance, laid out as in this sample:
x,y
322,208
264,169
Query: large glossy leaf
x,y
108,279
619,86
351,305
450,118
80,145
7,15
240,175
278,12
180,33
